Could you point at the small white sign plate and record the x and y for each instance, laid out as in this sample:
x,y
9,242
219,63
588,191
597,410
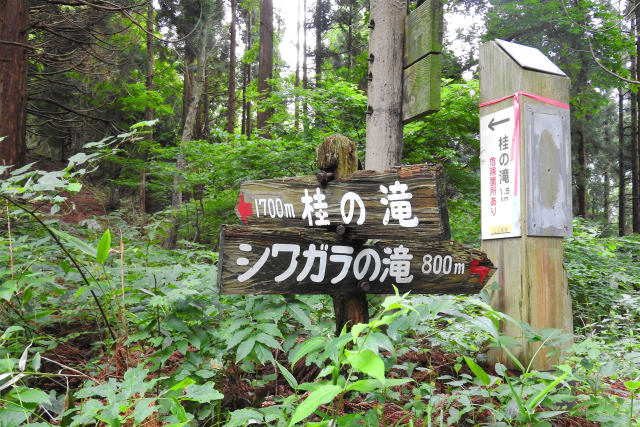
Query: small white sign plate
x,y
499,175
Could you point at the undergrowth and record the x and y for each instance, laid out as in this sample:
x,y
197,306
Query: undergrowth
x,y
104,326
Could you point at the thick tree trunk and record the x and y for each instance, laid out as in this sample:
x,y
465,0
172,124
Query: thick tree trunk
x,y
265,65
246,104
384,115
14,20
634,134
621,167
231,104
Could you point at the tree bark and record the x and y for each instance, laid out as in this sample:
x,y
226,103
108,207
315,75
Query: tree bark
x,y
187,134
581,182
231,104
635,147
246,104
265,65
621,168
296,113
149,113
14,21
305,70
319,24
384,115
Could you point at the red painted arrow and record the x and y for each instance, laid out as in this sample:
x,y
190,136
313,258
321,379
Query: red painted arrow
x,y
244,209
481,271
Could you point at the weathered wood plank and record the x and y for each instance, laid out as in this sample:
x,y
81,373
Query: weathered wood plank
x,y
278,202
261,260
421,88
423,31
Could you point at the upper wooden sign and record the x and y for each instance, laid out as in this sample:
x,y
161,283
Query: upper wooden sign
x,y
422,61
406,202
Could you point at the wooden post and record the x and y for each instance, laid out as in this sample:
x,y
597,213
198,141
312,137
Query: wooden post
x,y
338,154
523,232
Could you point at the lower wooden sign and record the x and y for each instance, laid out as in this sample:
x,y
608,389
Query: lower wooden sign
x,y
296,260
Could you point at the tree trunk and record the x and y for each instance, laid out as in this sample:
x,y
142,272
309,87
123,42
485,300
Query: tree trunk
x,y
581,181
635,142
296,113
231,104
305,70
621,167
246,104
606,202
265,65
14,20
187,134
384,115
149,113
319,24
634,133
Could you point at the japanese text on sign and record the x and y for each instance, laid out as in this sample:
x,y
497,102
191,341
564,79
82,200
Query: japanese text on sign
x,y
500,198
366,263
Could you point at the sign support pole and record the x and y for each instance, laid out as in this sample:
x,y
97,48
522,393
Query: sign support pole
x,y
337,157
526,192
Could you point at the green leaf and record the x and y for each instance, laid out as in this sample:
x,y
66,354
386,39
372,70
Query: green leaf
x,y
357,329
204,393
268,340
10,330
7,289
144,409
33,395
324,394
364,386
368,362
287,376
632,385
478,371
245,348
103,247
307,347
76,243
182,384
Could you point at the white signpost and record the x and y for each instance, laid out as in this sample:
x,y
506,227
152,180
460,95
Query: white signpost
x,y
499,185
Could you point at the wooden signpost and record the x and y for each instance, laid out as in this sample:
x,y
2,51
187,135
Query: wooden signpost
x,y
354,235
526,196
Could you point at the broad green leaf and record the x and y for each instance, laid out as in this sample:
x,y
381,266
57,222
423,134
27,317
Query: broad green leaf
x,y
478,371
237,337
356,330
632,385
103,247
204,393
307,347
366,361
182,384
245,348
33,395
143,409
7,289
76,243
10,330
364,386
323,394
287,376
268,340
244,417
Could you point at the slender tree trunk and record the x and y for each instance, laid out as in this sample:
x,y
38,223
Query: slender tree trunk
x,y
319,24
246,104
621,167
205,108
14,21
265,65
606,204
149,113
187,134
231,108
635,147
305,70
384,121
581,182
297,83
634,132
187,91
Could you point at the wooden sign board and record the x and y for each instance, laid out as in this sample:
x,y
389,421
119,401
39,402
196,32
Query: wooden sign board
x,y
422,61
259,260
404,203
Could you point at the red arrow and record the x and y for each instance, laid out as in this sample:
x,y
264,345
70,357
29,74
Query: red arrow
x,y
244,209
481,271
